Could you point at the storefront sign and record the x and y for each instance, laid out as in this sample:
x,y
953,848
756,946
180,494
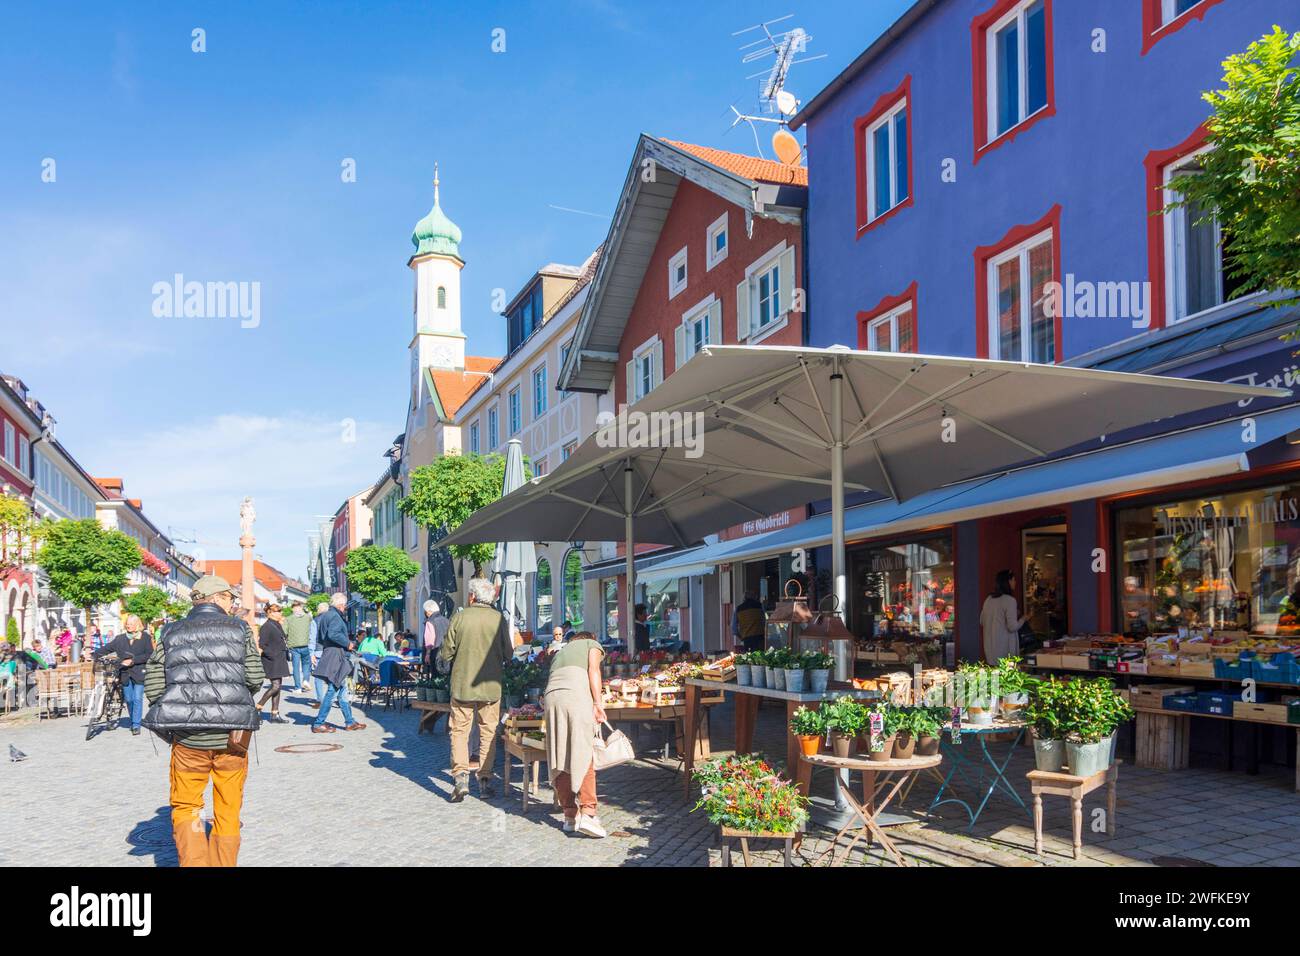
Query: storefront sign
x,y
782,519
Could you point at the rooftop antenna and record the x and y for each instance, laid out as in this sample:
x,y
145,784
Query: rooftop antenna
x,y
784,46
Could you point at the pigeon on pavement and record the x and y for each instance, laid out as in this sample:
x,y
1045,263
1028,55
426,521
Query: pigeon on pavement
x,y
15,754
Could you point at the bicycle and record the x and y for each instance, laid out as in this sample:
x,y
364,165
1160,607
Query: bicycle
x,y
106,701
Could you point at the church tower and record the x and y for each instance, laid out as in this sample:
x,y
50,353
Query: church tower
x,y
438,341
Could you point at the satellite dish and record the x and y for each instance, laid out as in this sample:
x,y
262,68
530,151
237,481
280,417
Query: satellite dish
x,y
786,147
786,102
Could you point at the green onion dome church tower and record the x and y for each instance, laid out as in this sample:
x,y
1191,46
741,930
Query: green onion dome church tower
x,y
438,341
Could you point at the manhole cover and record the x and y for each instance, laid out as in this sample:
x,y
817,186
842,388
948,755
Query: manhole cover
x,y
1177,861
153,836
307,748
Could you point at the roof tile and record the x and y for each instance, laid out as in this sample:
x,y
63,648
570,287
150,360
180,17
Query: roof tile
x,y
750,167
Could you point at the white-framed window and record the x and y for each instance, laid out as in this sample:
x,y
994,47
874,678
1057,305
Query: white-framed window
x,y
23,463
493,429
1016,61
442,297
1195,279
539,467
473,438
701,325
887,163
715,242
677,273
1171,10
568,450
763,299
10,436
1020,330
515,410
645,370
891,332
539,391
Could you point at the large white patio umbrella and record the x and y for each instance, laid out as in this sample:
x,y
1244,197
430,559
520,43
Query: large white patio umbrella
x,y
515,559
779,426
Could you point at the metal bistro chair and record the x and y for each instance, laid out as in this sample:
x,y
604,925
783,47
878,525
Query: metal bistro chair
x,y
367,680
394,680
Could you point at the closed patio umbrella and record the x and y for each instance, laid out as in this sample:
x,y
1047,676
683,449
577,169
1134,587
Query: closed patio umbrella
x,y
741,432
516,559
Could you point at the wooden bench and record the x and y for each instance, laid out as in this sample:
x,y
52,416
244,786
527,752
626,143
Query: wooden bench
x,y
1046,782
430,712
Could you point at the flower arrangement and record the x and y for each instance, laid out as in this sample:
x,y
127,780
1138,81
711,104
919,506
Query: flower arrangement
x,y
817,661
745,793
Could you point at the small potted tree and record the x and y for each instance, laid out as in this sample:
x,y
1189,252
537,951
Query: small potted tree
x,y
817,669
809,726
1012,687
977,692
1046,716
1093,713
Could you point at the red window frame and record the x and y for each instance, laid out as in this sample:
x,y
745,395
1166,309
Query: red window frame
x,y
888,304
1153,31
1155,164
979,76
1015,235
883,105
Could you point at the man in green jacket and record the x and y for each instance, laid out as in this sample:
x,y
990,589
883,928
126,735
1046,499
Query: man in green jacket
x,y
297,637
476,648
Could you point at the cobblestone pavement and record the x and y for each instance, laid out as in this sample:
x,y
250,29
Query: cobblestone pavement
x,y
381,800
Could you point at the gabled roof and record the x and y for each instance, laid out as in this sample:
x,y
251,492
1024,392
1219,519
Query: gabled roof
x,y
453,387
759,187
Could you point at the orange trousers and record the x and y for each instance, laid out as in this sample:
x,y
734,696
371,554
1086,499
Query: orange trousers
x,y
584,799
190,771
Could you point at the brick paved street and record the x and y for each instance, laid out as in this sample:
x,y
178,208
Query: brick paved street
x,y
382,800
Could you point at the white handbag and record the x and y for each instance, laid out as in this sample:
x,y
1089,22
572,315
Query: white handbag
x,y
612,750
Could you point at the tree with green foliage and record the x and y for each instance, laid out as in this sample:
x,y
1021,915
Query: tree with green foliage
x,y
12,634
19,532
378,573
316,600
147,604
87,564
177,609
1249,181
447,491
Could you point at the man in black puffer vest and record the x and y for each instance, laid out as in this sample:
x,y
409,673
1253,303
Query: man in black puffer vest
x,y
200,682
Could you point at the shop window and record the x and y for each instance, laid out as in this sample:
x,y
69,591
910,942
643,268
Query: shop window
x,y
1013,82
542,588
904,591
609,600
573,590
663,614
1226,561
883,141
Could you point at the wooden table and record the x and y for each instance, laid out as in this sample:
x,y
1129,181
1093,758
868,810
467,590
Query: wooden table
x,y
868,808
431,711
1076,788
1163,737
692,729
747,701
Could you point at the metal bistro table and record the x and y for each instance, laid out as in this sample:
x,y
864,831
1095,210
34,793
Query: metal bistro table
x,y
984,770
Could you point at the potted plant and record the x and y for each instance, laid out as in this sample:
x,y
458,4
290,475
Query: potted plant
x,y
742,670
758,668
931,652
817,670
977,692
1012,687
881,747
845,718
744,793
1093,711
776,668
794,673
809,726
1045,713
927,726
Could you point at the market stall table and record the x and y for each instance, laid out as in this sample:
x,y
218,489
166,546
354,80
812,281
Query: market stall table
x,y
985,771
747,701
868,810
694,745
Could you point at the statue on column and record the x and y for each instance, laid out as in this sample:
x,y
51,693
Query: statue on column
x,y
246,517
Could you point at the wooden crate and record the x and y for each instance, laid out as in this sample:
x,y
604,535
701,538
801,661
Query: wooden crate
x,y
1201,667
1153,695
1162,741
1162,668
1272,713
1075,662
1047,660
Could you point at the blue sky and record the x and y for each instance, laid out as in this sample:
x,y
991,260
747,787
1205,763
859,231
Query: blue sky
x,y
225,166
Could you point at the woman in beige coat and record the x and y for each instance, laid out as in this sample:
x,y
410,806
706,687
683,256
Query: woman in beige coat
x,y
999,620
573,713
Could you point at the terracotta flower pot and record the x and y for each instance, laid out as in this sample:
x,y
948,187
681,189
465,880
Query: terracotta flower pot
x,y
886,750
810,746
904,745
927,746
841,745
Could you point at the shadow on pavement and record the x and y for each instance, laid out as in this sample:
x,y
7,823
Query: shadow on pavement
x,y
153,838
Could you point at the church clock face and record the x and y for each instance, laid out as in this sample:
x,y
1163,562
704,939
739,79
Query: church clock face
x,y
442,356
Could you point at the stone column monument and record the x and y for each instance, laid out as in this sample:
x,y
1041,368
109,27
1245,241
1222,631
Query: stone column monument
x,y
247,585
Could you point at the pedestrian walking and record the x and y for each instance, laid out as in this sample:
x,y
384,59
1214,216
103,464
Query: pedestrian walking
x,y
275,660
335,666
297,637
133,648
313,643
573,717
435,629
475,650
200,682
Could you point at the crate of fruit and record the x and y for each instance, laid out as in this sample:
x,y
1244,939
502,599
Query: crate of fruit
x,y
1239,669
1277,669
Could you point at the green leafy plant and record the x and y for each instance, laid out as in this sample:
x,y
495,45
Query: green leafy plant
x,y
1045,711
379,573
845,716
316,600
757,658
793,662
11,633
816,660
745,793
976,684
1091,710
807,723
1249,181
446,492
147,604
1010,678
87,564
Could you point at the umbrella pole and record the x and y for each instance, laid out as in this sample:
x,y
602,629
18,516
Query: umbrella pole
x,y
629,558
838,575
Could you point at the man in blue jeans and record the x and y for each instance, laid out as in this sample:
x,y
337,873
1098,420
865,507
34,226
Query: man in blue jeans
x,y
133,649
335,666
297,638
313,651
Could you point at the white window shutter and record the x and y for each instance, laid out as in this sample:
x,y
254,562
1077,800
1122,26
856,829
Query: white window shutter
x,y
742,311
631,382
715,323
657,365
787,280
679,346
